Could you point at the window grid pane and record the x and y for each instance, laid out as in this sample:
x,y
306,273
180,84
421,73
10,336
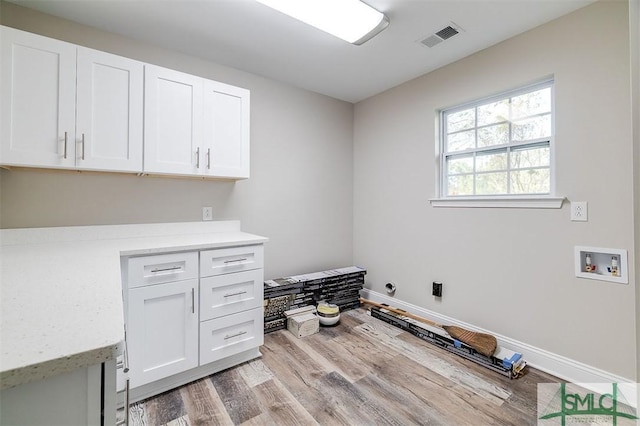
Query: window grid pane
x,y
499,147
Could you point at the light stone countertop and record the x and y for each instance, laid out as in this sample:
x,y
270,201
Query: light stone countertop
x,y
61,290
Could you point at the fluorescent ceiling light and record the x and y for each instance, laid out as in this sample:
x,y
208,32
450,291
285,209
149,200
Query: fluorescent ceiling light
x,y
350,20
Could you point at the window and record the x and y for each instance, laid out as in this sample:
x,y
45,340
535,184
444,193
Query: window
x,y
499,146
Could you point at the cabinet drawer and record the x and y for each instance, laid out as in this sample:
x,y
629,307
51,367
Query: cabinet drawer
x,y
229,335
234,259
222,295
161,268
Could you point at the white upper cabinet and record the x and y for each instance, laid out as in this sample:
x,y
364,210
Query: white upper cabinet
x,y
226,129
38,90
65,106
195,126
70,107
172,122
109,112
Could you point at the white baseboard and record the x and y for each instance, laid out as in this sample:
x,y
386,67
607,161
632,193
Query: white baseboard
x,y
557,365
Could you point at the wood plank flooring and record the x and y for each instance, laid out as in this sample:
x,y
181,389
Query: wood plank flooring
x,y
361,372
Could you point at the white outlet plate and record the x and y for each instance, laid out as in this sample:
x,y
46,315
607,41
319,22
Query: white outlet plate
x,y
579,211
207,213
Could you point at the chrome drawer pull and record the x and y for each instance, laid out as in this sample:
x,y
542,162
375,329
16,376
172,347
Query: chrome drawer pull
x,y
235,260
235,294
175,268
65,146
234,335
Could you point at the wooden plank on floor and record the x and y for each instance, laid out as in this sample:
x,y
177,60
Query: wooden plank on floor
x,y
254,372
351,356
299,374
263,419
238,400
138,415
444,367
357,344
165,407
181,421
362,314
401,403
203,404
360,409
310,345
450,401
311,364
282,407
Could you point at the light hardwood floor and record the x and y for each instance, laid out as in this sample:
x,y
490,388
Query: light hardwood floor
x,y
361,372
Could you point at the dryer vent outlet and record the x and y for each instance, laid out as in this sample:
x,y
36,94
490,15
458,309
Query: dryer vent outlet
x,y
391,288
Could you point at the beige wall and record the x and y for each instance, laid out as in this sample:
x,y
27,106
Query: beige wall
x,y
510,271
299,194
634,36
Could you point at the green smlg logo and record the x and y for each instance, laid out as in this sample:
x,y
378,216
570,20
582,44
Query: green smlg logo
x,y
592,407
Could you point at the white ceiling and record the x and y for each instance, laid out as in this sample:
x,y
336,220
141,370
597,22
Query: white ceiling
x,y
247,35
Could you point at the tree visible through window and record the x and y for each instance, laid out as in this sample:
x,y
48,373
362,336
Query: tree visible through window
x,y
499,146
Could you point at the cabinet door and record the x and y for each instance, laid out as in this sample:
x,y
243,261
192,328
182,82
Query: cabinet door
x,y
226,131
162,330
172,122
109,114
37,88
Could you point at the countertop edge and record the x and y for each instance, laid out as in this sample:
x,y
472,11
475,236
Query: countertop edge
x,y
43,370
254,239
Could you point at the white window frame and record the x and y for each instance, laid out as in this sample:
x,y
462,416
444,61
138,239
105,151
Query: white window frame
x,y
547,200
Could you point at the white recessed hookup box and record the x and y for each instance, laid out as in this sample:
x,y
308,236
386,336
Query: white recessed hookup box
x,y
604,264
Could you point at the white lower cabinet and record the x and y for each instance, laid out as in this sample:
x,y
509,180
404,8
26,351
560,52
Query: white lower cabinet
x,y
162,330
182,325
85,396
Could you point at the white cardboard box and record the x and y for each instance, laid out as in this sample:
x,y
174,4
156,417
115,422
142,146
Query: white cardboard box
x,y
302,321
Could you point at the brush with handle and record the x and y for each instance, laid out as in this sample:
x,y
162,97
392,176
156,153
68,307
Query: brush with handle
x,y
485,344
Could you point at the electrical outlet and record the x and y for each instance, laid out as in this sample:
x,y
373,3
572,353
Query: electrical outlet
x,y
436,289
579,212
207,213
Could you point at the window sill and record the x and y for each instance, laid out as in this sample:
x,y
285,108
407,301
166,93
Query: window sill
x,y
541,202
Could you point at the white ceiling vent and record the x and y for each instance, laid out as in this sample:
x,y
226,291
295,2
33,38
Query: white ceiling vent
x,y
441,35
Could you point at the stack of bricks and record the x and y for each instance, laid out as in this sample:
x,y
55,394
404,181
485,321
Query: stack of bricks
x,y
338,286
